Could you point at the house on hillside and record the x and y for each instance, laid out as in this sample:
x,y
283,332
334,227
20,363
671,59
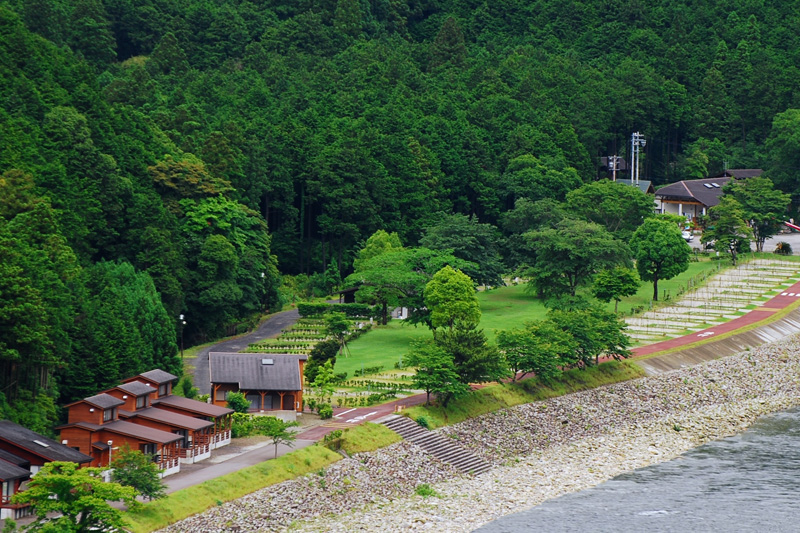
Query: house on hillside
x,y
271,382
23,453
693,198
162,382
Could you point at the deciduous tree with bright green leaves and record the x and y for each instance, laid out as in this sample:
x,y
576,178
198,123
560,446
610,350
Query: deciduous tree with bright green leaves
x,y
727,228
566,256
469,240
540,347
764,208
660,251
66,498
595,332
451,298
132,468
615,284
618,207
435,373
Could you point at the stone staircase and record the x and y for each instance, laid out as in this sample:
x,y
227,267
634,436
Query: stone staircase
x,y
440,447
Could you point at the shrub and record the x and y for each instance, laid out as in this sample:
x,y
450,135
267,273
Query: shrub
x,y
238,402
307,309
783,248
422,421
356,310
325,411
425,490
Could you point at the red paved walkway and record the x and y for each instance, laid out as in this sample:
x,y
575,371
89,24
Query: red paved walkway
x,y
777,303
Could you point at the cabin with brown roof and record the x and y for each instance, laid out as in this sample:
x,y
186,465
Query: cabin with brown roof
x,y
271,382
94,428
14,471
195,444
161,381
23,453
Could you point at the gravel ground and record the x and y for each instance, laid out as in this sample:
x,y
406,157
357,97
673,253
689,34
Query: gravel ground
x,y
541,450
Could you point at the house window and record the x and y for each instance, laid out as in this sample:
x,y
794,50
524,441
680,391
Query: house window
x,y
141,401
222,395
162,390
8,490
149,448
108,415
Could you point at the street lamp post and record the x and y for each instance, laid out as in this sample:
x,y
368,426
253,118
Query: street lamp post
x,y
263,292
110,444
182,323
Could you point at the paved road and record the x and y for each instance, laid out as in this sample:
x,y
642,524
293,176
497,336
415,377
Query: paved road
x,y
268,329
194,474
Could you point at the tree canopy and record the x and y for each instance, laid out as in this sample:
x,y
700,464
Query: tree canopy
x,y
660,251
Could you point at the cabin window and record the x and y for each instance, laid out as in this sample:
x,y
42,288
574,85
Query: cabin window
x,y
108,415
149,448
162,390
8,490
141,401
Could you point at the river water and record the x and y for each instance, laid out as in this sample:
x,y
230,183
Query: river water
x,y
750,482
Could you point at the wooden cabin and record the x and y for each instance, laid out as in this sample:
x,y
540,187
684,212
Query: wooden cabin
x,y
14,471
23,453
162,382
195,444
221,417
94,427
271,382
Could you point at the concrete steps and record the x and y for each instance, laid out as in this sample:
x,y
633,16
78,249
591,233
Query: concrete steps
x,y
440,447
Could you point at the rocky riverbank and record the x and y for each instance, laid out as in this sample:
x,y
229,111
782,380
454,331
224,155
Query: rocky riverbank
x,y
542,450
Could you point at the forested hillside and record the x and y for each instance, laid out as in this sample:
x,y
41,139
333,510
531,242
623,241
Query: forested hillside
x,y
167,157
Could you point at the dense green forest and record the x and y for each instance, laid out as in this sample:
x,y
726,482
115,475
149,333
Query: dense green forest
x,y
168,157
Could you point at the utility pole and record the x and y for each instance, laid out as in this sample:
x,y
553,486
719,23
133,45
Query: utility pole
x,y
637,142
612,166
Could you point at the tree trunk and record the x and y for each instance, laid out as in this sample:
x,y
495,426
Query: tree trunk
x,y
655,288
385,318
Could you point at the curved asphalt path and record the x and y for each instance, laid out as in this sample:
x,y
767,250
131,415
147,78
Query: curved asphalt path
x,y
270,328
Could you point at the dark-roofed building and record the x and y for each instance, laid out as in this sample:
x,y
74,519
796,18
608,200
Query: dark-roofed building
x,y
740,173
690,198
271,382
11,477
161,380
693,198
220,416
100,441
14,471
36,449
646,186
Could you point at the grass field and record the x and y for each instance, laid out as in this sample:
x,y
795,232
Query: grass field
x,y
503,308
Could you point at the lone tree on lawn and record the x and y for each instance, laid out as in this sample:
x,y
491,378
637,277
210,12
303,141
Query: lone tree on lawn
x,y
615,284
660,251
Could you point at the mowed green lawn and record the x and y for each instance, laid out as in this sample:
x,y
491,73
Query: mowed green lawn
x,y
504,308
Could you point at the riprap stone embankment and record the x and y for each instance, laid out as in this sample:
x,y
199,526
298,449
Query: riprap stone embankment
x,y
542,450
